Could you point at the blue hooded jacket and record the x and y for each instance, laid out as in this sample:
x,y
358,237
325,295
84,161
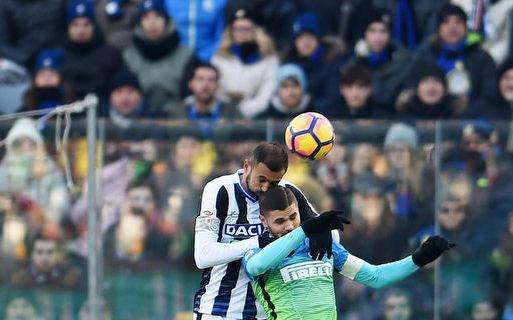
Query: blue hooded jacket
x,y
200,24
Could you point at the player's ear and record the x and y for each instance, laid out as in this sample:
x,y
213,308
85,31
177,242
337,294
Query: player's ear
x,y
262,219
246,165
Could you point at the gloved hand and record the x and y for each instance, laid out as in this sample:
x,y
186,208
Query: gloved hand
x,y
265,238
326,221
321,244
431,249
318,230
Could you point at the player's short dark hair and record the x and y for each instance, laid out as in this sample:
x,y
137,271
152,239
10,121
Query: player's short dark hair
x,y
355,73
272,154
276,198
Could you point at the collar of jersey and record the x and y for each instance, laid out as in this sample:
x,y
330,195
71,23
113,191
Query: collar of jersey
x,y
239,186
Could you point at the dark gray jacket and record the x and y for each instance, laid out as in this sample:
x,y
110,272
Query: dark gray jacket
x,y
27,26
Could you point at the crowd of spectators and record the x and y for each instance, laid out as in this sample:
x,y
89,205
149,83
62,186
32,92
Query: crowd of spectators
x,y
216,61
362,59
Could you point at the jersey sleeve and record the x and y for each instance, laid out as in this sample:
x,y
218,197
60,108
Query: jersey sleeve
x,y
245,260
259,262
340,255
208,250
377,276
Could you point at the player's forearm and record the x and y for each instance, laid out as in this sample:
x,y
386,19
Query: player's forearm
x,y
208,252
385,274
272,255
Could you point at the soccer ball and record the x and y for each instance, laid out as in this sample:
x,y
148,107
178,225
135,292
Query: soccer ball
x,y
310,135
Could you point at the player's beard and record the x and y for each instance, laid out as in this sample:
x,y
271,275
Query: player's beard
x,y
248,184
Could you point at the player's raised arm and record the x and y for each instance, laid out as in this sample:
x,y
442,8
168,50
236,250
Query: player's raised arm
x,y
258,262
208,250
378,276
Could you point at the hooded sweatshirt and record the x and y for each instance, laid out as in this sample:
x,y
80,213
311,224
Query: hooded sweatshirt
x,y
35,175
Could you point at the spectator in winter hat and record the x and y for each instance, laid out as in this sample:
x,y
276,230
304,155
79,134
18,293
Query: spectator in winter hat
x,y
401,142
116,19
27,169
406,172
126,101
157,58
401,133
429,98
463,60
291,97
48,86
320,58
386,58
88,61
80,9
247,62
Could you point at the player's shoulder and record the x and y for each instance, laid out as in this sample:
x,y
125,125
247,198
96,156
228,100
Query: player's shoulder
x,y
288,184
221,181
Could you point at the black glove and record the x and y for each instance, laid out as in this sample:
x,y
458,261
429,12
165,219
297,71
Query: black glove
x,y
265,238
321,244
431,249
318,230
326,221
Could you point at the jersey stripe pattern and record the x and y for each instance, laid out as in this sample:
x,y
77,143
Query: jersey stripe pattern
x,y
224,289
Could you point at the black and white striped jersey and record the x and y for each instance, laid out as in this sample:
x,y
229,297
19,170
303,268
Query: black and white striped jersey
x,y
226,229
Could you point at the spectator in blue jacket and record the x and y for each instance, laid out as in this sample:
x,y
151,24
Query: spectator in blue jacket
x,y
200,24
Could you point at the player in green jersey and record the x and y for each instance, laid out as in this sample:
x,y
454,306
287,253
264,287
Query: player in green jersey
x,y
291,285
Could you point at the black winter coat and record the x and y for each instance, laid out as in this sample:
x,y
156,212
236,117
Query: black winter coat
x,y
89,67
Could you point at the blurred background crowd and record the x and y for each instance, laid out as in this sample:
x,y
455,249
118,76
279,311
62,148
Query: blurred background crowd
x,y
188,87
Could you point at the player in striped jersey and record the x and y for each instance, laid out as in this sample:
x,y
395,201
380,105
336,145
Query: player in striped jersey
x,y
292,286
229,225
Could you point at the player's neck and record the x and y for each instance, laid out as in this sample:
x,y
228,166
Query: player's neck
x,y
243,183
